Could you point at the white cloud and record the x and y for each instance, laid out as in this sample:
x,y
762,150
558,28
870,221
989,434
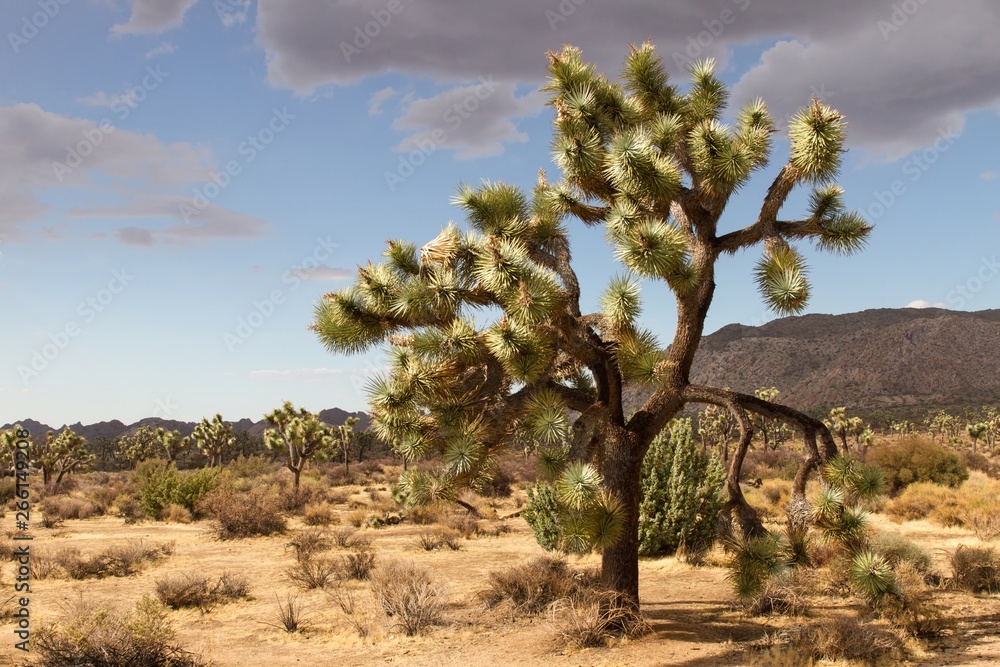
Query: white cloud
x,y
164,49
989,175
921,303
474,121
324,272
102,99
128,175
153,16
232,12
378,98
898,92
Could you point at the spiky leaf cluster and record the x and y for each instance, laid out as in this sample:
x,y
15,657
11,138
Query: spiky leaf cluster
x,y
61,454
142,444
300,436
213,438
172,443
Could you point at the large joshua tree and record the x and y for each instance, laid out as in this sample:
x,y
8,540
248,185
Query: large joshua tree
x,y
655,167
299,435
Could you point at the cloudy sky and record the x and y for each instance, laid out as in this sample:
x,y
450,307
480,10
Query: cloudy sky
x,y
181,180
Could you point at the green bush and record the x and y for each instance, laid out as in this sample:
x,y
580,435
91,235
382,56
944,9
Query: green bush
x,y
681,485
542,514
161,484
917,459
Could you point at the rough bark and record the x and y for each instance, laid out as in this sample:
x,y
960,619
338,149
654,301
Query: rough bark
x,y
622,476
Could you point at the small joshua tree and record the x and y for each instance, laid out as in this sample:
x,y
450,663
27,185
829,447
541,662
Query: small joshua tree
x,y
976,431
61,454
842,425
171,443
300,436
655,167
345,438
136,447
8,445
773,432
213,438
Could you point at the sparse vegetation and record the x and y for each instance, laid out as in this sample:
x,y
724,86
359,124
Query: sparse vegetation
x,y
240,515
183,590
917,459
408,595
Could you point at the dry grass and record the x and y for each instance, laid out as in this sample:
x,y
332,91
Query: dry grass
x,y
319,514
976,569
309,542
314,572
291,614
842,638
176,514
598,618
65,508
408,596
531,587
120,560
974,505
239,515
436,538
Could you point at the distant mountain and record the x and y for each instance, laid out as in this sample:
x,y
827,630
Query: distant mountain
x,y
876,358
114,429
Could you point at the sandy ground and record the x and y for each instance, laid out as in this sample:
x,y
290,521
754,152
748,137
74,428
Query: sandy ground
x,y
688,608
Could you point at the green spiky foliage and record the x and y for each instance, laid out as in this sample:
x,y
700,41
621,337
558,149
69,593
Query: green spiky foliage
x,y
486,340
299,436
754,561
59,455
681,493
213,438
345,436
141,444
8,445
843,425
171,443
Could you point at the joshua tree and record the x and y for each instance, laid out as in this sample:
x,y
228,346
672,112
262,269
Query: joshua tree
x,y
172,443
902,428
976,431
8,445
773,432
61,454
716,427
300,436
213,438
136,447
655,167
842,426
345,438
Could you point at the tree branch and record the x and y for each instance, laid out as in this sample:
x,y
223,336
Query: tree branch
x,y
766,220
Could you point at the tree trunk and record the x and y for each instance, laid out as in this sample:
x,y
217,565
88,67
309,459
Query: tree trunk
x,y
347,464
738,507
622,477
296,472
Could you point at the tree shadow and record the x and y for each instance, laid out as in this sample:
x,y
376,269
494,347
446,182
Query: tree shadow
x,y
699,621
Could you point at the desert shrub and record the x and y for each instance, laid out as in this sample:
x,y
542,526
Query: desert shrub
x,y
499,484
542,514
43,566
974,505
183,590
917,459
306,543
434,539
94,636
782,463
319,514
344,537
358,565
681,487
120,560
337,496
920,499
843,638
103,497
423,515
161,484
408,595
463,524
597,619
897,549
250,467
8,488
912,607
784,594
531,587
314,572
128,508
357,517
64,507
239,515
291,614
976,569
176,514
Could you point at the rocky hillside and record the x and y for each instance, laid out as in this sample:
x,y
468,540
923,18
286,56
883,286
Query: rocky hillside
x,y
875,358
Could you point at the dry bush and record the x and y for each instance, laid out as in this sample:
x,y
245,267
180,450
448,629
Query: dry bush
x,y
44,566
66,508
307,543
911,607
976,569
7,548
291,614
51,520
424,515
408,595
176,514
897,550
597,618
782,463
182,590
319,514
92,636
785,594
358,565
436,538
531,587
312,573
239,515
129,508
974,505
464,525
771,498
120,560
357,517
919,500
839,639
337,496
345,537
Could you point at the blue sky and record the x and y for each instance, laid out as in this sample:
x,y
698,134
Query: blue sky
x,y
181,180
